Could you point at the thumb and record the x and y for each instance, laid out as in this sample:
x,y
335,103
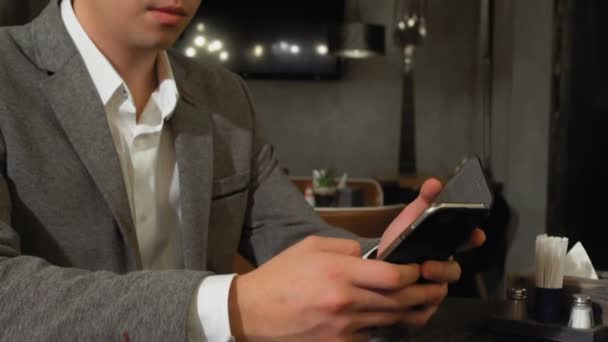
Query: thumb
x,y
430,189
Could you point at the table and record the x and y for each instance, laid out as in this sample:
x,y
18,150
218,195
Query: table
x,y
464,319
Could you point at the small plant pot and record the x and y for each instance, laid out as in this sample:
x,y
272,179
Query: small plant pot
x,y
325,197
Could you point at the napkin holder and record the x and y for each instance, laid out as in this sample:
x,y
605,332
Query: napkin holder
x,y
597,289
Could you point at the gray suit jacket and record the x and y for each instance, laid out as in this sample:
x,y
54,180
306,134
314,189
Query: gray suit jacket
x,y
69,260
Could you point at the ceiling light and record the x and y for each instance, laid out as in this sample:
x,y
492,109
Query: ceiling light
x,y
356,38
258,50
322,49
200,41
190,52
216,45
224,56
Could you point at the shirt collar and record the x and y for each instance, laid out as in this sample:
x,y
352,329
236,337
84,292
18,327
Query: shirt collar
x,y
105,78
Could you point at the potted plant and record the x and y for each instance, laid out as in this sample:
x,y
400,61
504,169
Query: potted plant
x,y
324,187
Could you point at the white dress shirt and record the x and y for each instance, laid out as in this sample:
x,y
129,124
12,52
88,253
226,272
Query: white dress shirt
x,y
150,172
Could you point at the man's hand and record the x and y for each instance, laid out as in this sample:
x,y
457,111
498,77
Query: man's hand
x,y
429,190
441,272
322,290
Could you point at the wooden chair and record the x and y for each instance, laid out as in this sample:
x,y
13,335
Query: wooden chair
x,y
369,222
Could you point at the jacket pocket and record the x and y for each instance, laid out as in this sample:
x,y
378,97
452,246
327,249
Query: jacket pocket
x,y
229,186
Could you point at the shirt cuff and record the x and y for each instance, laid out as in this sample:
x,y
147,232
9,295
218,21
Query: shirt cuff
x,y
212,308
371,253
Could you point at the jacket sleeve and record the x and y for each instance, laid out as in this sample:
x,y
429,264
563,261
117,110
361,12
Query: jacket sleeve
x,y
278,215
39,301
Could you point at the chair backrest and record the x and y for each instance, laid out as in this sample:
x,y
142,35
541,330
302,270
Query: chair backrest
x,y
373,195
367,222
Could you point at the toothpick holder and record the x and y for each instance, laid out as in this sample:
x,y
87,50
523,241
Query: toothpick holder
x,y
548,305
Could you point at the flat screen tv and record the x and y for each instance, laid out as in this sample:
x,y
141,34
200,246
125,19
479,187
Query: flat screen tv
x,y
266,38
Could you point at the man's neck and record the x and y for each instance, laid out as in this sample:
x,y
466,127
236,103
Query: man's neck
x,y
137,67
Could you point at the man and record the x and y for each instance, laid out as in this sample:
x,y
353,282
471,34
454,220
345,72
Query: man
x,y
130,176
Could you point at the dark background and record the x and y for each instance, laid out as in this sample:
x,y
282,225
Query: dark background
x,y
243,24
584,154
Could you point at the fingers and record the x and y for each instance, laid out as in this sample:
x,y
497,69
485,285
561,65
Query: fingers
x,y
403,300
478,237
476,240
441,271
425,298
378,275
342,260
421,295
357,337
374,319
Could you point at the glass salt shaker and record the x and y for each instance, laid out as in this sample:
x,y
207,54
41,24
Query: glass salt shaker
x,y
581,313
517,307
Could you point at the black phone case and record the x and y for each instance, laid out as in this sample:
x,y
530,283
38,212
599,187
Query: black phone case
x,y
439,236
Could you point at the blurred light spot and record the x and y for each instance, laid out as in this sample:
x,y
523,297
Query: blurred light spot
x,y
215,46
322,49
224,56
200,41
190,52
258,51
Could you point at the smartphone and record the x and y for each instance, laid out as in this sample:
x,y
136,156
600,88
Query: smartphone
x,y
444,227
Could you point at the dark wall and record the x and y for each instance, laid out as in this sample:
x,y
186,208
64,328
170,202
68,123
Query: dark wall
x,y
16,12
447,100
352,125
585,185
521,117
13,12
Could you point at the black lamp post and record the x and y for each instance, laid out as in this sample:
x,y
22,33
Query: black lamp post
x,y
408,33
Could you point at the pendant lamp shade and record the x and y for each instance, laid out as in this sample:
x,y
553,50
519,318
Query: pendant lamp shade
x,y
357,39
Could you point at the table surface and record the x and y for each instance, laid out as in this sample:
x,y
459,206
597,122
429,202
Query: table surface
x,y
464,319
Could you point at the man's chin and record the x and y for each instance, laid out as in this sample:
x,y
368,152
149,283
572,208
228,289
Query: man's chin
x,y
158,43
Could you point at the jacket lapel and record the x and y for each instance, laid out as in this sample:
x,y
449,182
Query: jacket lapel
x,y
192,130
72,96
81,114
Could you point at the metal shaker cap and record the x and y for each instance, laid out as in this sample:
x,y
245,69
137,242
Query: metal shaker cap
x,y
518,293
580,299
